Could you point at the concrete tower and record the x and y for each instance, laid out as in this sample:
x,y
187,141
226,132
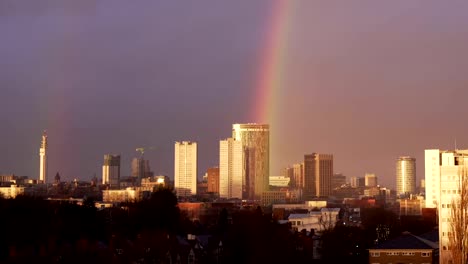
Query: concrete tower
x,y
318,173
230,168
111,171
255,140
43,159
185,168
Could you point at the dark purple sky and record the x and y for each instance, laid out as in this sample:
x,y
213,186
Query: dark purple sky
x,y
365,81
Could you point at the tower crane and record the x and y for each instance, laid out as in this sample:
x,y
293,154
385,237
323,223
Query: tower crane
x,y
142,150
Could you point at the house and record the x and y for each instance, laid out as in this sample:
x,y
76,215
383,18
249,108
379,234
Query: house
x,y
407,248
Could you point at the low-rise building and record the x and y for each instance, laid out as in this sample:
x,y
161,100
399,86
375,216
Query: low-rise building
x,y
406,248
11,192
321,220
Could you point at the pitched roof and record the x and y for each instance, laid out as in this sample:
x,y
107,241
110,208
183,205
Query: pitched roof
x,y
407,241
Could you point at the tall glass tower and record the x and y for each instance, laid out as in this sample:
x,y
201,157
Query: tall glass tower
x,y
406,176
255,140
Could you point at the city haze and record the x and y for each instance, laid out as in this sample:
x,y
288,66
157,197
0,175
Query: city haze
x,y
365,82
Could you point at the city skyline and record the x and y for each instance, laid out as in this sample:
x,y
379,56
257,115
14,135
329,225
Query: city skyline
x,y
366,82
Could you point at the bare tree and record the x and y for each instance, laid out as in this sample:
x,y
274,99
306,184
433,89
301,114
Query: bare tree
x,y
458,237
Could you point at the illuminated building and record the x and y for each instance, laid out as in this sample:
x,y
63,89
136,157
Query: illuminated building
x,y
213,180
370,180
443,171
255,140
318,172
185,168
111,171
43,159
230,168
406,176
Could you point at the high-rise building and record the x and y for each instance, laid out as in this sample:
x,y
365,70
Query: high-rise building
x,y
43,159
338,180
185,168
213,180
357,182
111,171
141,168
405,176
231,160
318,172
298,176
255,140
443,173
370,180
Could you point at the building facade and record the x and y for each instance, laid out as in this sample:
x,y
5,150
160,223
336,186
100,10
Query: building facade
x,y
370,180
185,168
443,173
111,171
338,180
43,159
231,161
141,168
318,172
298,176
255,140
406,176
213,180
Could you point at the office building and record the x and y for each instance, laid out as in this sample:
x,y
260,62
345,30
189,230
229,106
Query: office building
x,y
338,180
370,180
185,168
255,140
405,176
111,171
298,176
43,159
318,172
231,160
213,180
141,169
357,182
443,174
279,181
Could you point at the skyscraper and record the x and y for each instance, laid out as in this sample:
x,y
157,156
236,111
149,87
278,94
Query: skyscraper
x,y
405,176
255,140
213,180
230,168
298,175
318,172
443,172
141,168
370,180
111,171
43,159
185,168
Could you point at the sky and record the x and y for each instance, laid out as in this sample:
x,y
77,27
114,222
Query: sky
x,y
366,81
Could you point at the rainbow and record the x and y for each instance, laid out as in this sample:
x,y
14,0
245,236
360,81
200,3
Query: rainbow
x,y
271,67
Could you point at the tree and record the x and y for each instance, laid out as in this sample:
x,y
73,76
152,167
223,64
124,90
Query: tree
x,y
458,237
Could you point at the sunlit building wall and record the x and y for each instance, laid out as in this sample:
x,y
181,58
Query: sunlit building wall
x,y
298,175
11,191
231,160
443,171
255,140
370,180
185,168
318,173
406,176
111,171
213,180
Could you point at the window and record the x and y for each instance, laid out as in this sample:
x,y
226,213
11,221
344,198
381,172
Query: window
x,y
375,254
407,253
392,253
426,254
